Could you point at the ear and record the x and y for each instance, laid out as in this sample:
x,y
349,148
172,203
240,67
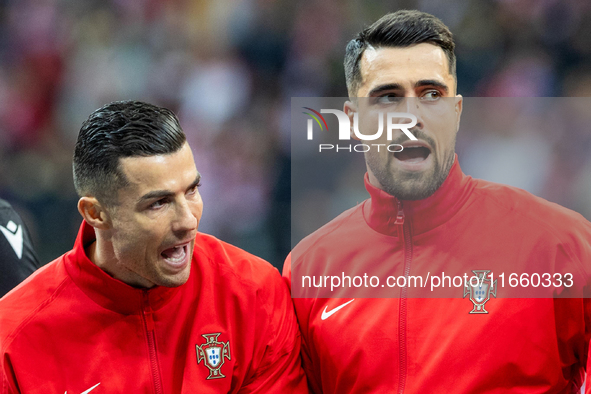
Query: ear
x,y
350,109
458,108
94,213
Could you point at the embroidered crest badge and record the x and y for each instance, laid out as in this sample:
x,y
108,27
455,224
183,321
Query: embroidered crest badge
x,y
480,293
213,353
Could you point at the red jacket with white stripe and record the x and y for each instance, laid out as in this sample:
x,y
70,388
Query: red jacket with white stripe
x,y
405,344
72,328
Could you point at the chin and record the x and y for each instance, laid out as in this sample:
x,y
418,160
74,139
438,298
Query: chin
x,y
413,187
413,195
176,280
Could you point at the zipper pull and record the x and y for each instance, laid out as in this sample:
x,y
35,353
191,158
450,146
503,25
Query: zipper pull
x,y
400,216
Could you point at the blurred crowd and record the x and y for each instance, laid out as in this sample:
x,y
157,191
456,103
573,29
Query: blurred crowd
x,y
229,68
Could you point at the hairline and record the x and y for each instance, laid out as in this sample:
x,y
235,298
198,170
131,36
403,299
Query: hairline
x,y
358,82
122,180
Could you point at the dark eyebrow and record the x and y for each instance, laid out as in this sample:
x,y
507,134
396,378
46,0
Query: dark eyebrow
x,y
158,194
432,82
396,86
379,89
196,182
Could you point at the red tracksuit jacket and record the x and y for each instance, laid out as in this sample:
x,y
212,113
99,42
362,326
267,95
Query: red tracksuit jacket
x,y
428,345
72,328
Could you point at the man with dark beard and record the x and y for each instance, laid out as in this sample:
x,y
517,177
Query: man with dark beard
x,y
424,213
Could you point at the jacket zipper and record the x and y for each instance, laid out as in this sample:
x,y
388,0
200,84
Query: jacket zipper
x,y
406,239
151,335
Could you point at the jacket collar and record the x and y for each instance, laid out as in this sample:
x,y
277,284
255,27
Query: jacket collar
x,y
106,291
382,209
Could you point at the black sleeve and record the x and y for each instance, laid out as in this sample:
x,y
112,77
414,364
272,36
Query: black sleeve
x,y
17,257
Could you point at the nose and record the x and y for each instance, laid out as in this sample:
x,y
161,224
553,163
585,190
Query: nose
x,y
413,106
186,218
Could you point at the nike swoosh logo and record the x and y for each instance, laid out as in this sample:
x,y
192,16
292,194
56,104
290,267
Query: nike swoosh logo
x,y
89,390
326,315
14,236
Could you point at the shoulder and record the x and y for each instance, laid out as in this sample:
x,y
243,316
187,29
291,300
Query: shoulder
x,y
23,303
530,208
551,226
8,213
240,280
344,225
5,205
234,264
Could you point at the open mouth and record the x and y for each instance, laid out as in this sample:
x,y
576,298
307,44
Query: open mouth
x,y
413,154
175,255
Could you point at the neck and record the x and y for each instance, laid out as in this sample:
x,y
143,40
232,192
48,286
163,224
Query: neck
x,y
382,209
101,253
373,180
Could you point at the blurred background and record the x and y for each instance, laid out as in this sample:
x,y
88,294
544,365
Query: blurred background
x,y
229,68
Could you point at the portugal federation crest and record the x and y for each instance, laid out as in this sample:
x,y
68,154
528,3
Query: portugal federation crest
x,y
213,353
480,293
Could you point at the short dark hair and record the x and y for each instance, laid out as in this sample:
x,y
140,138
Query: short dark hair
x,y
117,130
398,29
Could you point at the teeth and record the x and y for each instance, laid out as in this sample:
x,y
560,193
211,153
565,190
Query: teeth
x,y
177,254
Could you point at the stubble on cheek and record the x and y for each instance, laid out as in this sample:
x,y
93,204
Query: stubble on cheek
x,y
406,185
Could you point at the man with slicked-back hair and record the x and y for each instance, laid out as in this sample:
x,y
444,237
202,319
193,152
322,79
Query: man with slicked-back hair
x,y
144,303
